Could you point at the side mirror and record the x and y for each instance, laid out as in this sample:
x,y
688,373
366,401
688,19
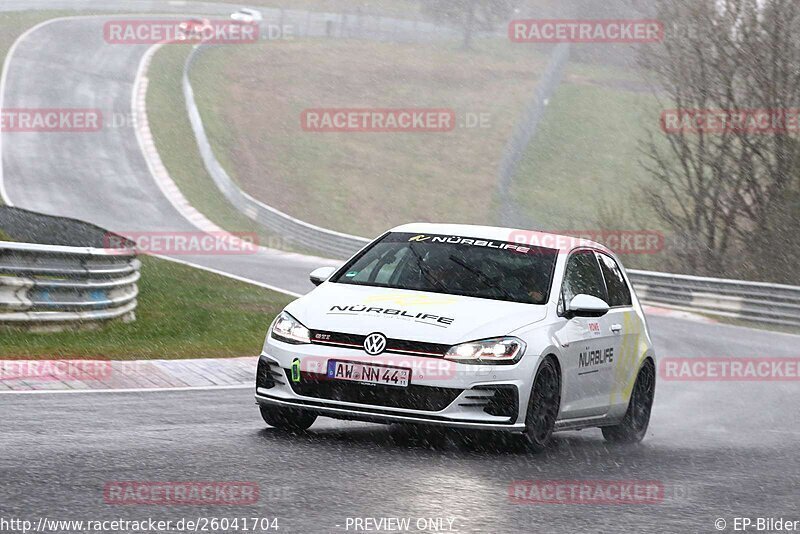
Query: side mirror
x,y
586,306
318,276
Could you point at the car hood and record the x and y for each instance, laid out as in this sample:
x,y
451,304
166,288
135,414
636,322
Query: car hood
x,y
410,315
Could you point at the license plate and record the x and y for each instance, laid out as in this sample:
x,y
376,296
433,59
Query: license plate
x,y
368,374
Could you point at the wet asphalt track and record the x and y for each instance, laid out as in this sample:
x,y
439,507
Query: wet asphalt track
x,y
719,449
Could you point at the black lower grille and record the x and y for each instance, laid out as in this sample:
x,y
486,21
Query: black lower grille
x,y
424,398
504,402
268,374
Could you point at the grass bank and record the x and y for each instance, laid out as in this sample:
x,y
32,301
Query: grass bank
x,y
251,99
183,312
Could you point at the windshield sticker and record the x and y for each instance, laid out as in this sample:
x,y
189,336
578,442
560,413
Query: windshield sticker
x,y
484,243
392,313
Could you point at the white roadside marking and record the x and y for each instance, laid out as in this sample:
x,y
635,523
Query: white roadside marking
x,y
229,275
130,390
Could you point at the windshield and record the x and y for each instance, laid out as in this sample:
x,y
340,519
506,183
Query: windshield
x,y
471,267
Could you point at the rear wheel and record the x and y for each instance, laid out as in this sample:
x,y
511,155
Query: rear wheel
x,y
540,419
634,425
287,418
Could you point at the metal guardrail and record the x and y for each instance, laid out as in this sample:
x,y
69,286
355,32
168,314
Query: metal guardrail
x,y
306,24
334,244
49,286
523,134
751,301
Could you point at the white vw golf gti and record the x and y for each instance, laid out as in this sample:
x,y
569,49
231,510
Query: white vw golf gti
x,y
465,326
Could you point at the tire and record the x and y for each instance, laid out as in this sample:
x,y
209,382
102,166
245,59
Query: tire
x,y
633,426
287,418
543,406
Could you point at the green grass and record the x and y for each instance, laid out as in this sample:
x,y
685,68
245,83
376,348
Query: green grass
x,y
583,170
251,98
582,166
584,157
177,147
183,312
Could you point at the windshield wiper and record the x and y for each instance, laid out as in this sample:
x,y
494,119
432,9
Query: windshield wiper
x,y
483,276
425,272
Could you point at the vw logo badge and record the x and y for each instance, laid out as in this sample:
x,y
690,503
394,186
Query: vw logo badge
x,y
375,344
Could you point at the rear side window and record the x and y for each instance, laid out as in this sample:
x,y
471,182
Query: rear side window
x,y
583,277
618,292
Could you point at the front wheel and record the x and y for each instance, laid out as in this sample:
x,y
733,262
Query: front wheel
x,y
540,419
634,425
287,418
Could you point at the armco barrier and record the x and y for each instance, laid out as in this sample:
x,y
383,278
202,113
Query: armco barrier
x,y
50,286
306,24
750,301
333,244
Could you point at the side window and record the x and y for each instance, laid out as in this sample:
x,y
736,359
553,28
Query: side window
x,y
388,269
583,277
618,292
379,270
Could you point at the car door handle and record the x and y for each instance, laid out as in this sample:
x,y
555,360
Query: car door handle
x,y
616,328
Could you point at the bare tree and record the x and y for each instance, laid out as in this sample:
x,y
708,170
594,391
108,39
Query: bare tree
x,y
716,189
470,15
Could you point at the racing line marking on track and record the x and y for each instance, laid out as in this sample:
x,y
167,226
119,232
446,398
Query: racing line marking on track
x,y
229,275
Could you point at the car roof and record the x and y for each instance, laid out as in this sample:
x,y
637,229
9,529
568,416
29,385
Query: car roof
x,y
562,242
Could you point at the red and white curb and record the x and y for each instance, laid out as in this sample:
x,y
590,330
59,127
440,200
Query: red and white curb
x,y
76,376
141,126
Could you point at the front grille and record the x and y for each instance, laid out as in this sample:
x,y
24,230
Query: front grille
x,y
397,346
268,374
424,398
500,401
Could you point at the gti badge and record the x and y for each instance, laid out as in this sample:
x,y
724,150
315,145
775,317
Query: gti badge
x,y
375,344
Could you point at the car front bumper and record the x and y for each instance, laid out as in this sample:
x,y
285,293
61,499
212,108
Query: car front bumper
x,y
440,392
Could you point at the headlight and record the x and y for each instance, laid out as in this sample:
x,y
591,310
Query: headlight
x,y
499,350
288,329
